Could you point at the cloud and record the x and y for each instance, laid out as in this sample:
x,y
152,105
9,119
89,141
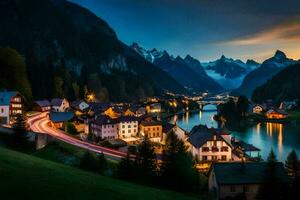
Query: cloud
x,y
284,32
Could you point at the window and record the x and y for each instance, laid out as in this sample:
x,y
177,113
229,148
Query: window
x,y
214,149
157,128
129,126
123,126
224,158
123,131
205,149
214,158
2,110
224,149
215,143
204,158
129,131
232,188
153,128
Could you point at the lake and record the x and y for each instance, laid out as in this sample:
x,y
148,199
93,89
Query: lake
x,y
282,138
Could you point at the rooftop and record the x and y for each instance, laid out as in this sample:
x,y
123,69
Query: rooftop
x,y
151,123
60,116
43,103
103,120
5,97
56,102
245,173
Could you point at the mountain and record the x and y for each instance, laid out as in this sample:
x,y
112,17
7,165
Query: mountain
x,y
188,71
229,72
68,50
259,76
281,87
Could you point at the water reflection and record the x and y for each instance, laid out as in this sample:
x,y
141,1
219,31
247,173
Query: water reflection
x,y
266,136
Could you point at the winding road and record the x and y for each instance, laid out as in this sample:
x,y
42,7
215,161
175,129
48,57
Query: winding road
x,y
39,123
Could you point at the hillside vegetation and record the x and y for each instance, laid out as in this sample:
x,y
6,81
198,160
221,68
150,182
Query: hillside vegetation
x,y
27,177
283,86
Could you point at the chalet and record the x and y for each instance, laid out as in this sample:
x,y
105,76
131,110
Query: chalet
x,y
80,106
208,145
58,118
104,127
127,126
42,106
276,114
258,108
59,105
229,180
151,129
11,104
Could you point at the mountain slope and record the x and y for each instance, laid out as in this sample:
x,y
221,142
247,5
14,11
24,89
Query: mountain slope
x,y
188,71
34,178
229,72
67,48
259,76
283,86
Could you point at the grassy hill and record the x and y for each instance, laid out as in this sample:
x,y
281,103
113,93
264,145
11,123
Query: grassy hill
x,y
28,177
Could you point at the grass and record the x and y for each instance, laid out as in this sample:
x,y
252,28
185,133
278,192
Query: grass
x,y
28,177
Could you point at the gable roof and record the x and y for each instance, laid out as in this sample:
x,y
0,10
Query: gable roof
x,y
167,127
245,173
151,123
5,97
200,134
43,103
103,120
60,116
56,102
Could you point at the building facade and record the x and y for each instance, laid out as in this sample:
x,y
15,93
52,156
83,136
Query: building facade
x,y
11,104
127,127
151,129
208,145
104,127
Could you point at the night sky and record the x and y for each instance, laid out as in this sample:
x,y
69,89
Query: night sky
x,y
205,29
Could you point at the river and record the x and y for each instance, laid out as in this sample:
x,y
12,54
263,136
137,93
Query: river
x,y
282,138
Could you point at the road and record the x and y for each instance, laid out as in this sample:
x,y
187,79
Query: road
x,y
39,123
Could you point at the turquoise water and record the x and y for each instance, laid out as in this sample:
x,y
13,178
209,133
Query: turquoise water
x,y
266,136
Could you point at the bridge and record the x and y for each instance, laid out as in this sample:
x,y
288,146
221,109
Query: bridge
x,y
204,103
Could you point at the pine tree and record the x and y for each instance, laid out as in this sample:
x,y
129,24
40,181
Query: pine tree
x,y
145,162
125,168
271,188
102,163
177,170
20,137
292,164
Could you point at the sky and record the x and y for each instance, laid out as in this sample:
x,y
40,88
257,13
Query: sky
x,y
205,29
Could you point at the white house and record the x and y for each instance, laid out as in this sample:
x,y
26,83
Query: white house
x,y
258,109
180,133
127,126
60,105
209,145
11,103
104,127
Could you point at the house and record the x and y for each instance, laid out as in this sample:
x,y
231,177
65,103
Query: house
x,y
58,118
258,109
104,127
288,105
180,133
229,180
112,113
209,145
11,104
59,105
151,129
127,126
80,106
129,112
276,114
153,108
42,106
